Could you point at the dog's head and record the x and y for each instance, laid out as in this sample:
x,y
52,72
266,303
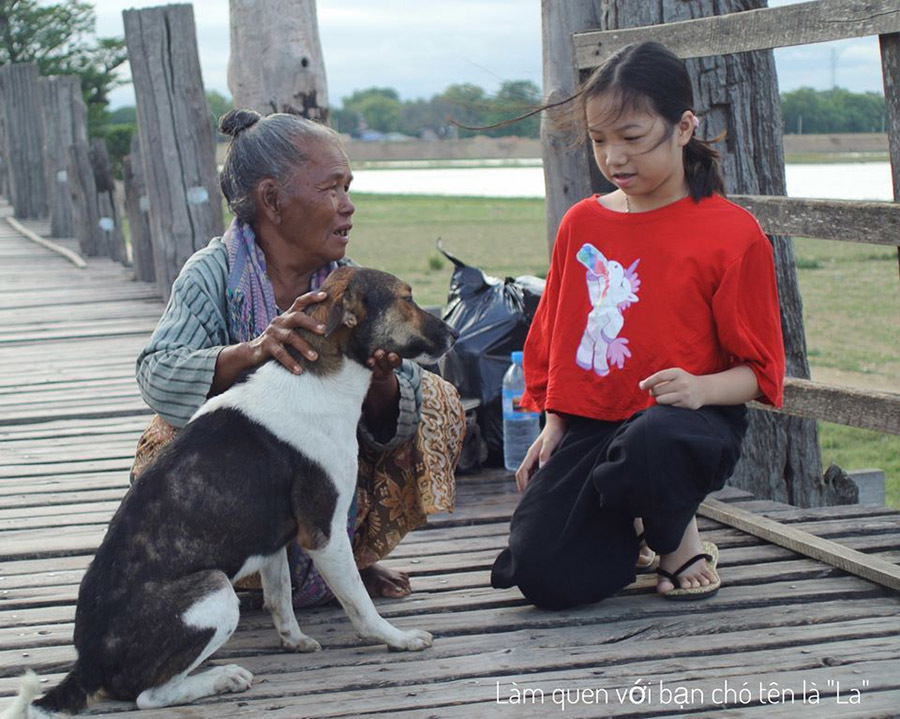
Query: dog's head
x,y
369,309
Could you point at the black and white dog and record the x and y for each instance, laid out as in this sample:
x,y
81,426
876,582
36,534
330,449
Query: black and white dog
x,y
272,459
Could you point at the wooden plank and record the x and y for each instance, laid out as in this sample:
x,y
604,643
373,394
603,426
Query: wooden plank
x,y
879,411
847,221
763,29
849,560
890,71
72,257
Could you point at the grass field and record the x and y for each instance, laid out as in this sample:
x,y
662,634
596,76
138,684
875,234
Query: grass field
x,y
851,292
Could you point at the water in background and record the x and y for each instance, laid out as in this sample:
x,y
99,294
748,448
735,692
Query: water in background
x,y
842,181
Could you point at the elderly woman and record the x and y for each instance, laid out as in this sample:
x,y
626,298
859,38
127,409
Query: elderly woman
x,y
235,305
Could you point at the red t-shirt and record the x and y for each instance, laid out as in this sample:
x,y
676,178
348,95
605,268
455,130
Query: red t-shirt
x,y
689,285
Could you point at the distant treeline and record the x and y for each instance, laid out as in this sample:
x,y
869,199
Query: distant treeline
x,y
808,112
381,110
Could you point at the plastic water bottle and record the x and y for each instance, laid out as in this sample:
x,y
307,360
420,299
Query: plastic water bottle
x,y
520,427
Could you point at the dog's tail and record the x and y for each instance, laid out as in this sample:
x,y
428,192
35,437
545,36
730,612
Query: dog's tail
x,y
29,688
68,696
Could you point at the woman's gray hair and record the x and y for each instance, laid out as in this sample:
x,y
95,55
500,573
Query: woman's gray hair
x,y
272,146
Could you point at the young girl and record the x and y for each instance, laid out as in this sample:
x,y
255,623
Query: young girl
x,y
659,321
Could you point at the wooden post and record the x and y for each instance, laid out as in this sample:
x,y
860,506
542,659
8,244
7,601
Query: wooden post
x,y
110,217
739,92
890,69
176,135
4,153
22,109
63,121
565,158
276,59
85,213
138,209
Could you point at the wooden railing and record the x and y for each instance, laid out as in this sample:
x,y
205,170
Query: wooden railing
x,y
847,221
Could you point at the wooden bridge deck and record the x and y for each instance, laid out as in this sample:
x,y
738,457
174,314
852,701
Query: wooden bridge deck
x,y
70,415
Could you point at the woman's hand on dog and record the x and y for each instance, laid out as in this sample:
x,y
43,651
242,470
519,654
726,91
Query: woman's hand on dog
x,y
280,333
233,360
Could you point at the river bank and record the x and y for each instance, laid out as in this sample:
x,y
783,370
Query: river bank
x,y
863,145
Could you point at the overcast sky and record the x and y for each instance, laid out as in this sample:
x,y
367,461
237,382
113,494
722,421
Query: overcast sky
x,y
419,48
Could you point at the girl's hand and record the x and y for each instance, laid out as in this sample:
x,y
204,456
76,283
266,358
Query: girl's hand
x,y
675,387
280,332
539,452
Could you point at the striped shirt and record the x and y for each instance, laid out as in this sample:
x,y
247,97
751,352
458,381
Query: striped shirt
x,y
175,370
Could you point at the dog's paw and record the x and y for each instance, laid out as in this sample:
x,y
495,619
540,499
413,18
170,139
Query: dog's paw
x,y
412,641
232,678
302,643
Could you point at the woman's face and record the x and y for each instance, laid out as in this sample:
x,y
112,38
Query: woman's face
x,y
315,207
636,150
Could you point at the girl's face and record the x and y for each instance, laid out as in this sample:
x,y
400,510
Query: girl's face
x,y
637,151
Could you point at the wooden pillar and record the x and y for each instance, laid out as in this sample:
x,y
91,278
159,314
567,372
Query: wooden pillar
x,y
138,209
63,122
24,141
566,177
176,135
110,221
890,70
4,153
85,213
276,59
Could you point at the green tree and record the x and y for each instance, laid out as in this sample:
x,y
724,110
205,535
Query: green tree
x,y
837,110
379,107
55,36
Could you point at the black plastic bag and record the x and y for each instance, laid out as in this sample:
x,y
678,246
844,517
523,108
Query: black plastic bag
x,y
492,317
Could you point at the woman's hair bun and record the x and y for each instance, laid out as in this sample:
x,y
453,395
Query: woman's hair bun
x,y
234,122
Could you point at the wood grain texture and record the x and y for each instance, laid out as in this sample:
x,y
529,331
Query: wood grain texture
x,y
176,135
748,28
22,111
872,568
276,60
877,223
879,411
85,211
565,155
138,210
63,123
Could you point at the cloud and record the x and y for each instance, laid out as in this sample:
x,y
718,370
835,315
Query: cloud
x,y
419,48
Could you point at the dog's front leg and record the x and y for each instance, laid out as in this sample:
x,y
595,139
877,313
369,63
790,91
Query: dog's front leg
x,y
335,563
276,583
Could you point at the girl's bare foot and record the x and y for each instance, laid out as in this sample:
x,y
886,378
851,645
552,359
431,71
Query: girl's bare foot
x,y
383,582
697,575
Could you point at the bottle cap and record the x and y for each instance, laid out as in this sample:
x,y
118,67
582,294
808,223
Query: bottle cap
x,y
516,357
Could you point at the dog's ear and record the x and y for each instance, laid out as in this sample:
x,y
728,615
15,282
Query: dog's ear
x,y
338,315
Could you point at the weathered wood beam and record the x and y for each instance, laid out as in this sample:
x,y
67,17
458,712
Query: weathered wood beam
x,y
877,223
63,121
890,71
867,409
24,139
565,158
763,29
137,207
72,257
276,61
176,134
849,560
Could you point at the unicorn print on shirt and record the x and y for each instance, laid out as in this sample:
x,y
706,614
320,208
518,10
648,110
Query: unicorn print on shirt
x,y
612,289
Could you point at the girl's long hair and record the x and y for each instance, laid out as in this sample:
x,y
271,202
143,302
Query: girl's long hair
x,y
647,76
